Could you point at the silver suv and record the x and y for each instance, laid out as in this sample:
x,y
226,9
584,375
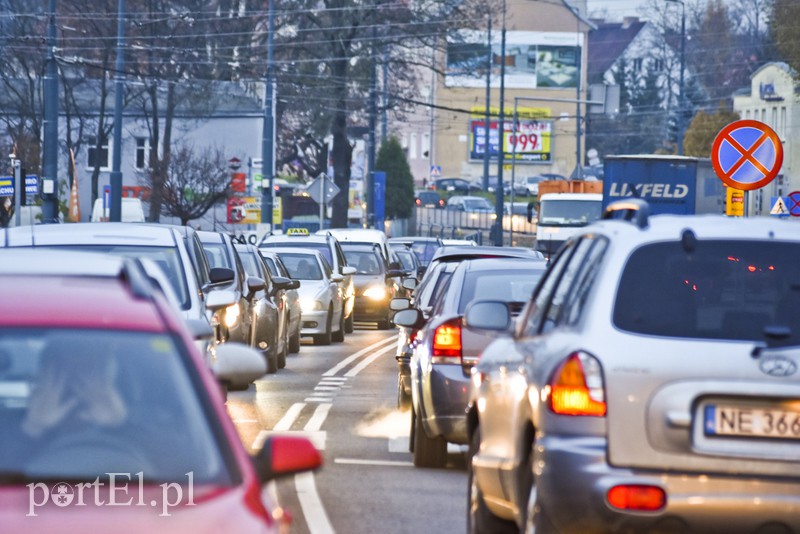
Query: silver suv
x,y
650,384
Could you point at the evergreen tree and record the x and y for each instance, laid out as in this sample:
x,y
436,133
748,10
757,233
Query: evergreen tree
x,y
399,181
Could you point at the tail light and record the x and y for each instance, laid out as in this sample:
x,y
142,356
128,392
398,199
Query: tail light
x,y
441,202
447,342
637,497
577,387
418,201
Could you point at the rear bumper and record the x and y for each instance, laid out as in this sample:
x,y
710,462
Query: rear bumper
x,y
576,476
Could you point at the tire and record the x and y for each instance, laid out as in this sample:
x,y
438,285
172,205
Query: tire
x,y
384,324
294,342
479,518
325,339
428,452
338,336
349,325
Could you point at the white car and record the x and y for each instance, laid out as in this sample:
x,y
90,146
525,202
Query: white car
x,y
320,294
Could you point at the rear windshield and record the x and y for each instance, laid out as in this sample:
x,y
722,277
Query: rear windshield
x,y
721,290
302,243
406,260
514,287
424,250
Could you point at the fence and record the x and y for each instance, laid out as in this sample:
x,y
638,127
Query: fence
x,y
453,224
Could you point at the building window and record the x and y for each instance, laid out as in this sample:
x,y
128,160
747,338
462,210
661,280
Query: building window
x,y
637,64
658,65
782,127
97,157
747,114
426,145
142,152
774,123
412,146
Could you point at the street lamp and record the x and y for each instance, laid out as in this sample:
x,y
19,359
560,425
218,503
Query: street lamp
x,y
680,88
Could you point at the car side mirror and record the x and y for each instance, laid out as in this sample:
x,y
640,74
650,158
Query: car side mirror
x,y
279,283
219,275
348,270
282,456
409,283
336,277
254,285
399,304
237,364
487,315
410,318
220,298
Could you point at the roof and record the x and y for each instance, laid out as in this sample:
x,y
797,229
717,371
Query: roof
x,y
210,237
132,234
495,264
589,197
456,253
75,302
607,43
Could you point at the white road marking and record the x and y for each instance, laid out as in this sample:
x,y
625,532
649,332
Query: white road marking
x,y
327,388
315,423
289,418
366,361
333,379
344,363
356,461
316,517
318,399
398,444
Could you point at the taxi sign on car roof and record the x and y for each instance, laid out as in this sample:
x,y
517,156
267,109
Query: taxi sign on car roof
x,y
297,231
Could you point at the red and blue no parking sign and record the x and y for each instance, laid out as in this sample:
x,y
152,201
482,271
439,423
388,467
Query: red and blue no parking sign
x,y
747,155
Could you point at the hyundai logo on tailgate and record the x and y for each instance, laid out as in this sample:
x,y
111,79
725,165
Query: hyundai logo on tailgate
x,y
778,366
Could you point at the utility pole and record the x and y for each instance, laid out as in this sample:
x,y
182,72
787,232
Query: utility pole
x,y
268,128
115,207
373,112
50,149
488,115
385,89
498,191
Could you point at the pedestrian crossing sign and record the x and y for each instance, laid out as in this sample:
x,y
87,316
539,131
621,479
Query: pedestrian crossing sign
x,y
778,207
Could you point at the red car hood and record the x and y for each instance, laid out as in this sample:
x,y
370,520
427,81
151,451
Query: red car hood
x,y
215,510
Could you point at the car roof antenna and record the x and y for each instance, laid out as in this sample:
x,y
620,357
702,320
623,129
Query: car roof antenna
x,y
688,241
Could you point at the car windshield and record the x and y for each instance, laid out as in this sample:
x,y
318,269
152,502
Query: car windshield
x,y
217,255
304,243
165,257
719,290
365,262
406,260
424,250
477,204
80,404
569,212
301,266
511,286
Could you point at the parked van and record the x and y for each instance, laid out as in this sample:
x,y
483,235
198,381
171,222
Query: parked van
x,y
132,211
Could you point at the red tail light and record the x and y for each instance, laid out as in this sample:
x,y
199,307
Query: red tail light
x,y
636,497
577,387
419,202
441,202
447,342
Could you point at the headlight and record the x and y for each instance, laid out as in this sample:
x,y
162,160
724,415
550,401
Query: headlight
x,y
375,293
310,305
231,315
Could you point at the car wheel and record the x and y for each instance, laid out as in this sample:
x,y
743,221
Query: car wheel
x,y
338,336
348,324
384,324
294,341
428,452
325,339
479,518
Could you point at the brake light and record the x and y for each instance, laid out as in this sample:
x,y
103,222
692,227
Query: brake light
x,y
419,202
577,387
637,497
447,342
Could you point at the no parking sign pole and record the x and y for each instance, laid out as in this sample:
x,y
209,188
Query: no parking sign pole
x,y
747,155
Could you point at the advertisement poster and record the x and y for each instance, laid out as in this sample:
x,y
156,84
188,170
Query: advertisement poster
x,y
529,142
532,59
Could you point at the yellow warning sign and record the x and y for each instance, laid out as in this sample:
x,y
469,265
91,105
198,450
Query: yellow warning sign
x,y
734,206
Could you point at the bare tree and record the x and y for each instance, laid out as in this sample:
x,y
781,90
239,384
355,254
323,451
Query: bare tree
x,y
195,181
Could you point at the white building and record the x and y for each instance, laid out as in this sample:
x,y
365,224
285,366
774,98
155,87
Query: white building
x,y
773,99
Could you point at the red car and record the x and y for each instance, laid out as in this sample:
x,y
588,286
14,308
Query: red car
x,y
109,417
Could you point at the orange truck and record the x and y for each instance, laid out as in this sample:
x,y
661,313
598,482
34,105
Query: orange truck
x,y
570,186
